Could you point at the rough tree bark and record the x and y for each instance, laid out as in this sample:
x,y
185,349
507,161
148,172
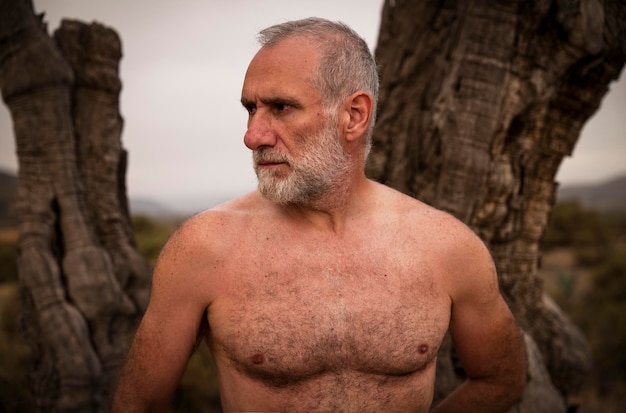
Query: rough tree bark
x,y
480,102
82,282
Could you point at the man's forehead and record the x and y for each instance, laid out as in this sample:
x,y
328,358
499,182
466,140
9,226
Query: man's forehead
x,y
296,94
280,72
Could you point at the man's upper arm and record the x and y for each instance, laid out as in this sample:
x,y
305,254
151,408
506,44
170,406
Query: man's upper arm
x,y
167,334
485,334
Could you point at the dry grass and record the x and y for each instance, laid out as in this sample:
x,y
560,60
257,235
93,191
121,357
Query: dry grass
x,y
8,235
572,285
14,356
564,280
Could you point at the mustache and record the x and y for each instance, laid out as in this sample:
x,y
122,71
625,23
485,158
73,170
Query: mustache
x,y
266,155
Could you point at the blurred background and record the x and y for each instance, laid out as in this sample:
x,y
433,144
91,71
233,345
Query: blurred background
x,y
182,72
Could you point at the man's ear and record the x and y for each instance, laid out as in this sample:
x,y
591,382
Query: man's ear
x,y
358,109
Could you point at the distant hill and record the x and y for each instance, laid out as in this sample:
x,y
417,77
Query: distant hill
x,y
151,208
606,196
181,207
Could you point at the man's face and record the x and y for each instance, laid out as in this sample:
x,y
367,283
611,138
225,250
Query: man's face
x,y
322,162
296,146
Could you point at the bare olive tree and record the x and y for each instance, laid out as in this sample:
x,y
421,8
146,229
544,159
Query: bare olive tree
x,y
481,100
82,282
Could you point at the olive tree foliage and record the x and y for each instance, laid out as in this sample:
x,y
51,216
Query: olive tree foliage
x,y
82,282
481,100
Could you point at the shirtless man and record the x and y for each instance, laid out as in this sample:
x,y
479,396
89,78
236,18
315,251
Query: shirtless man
x,y
323,291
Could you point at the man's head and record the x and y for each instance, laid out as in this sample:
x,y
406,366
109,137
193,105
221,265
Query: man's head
x,y
345,65
310,109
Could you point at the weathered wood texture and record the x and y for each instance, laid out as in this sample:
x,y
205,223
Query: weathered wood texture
x,y
82,282
480,102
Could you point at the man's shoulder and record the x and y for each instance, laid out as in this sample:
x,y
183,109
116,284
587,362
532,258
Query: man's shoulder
x,y
425,219
223,217
453,245
246,203
213,231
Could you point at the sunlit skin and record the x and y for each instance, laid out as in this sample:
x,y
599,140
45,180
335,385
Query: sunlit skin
x,y
336,303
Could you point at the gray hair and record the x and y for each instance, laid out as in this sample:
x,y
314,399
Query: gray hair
x,y
346,64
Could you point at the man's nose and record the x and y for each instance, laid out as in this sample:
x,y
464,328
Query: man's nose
x,y
259,133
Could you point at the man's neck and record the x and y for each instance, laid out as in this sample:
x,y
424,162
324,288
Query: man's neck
x,y
333,210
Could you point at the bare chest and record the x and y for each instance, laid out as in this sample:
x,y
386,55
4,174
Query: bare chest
x,y
305,313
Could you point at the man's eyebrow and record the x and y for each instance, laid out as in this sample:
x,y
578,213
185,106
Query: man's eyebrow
x,y
272,100
278,100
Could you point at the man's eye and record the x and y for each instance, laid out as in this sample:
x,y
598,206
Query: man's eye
x,y
250,108
281,107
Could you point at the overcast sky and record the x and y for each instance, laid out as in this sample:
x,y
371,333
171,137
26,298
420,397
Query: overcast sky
x,y
182,72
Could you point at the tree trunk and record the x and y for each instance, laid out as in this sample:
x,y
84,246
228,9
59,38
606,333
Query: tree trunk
x,y
480,102
82,282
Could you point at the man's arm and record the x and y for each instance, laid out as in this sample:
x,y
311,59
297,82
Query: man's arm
x,y
485,335
167,334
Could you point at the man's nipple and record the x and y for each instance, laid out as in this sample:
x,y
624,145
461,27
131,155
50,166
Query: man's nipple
x,y
258,359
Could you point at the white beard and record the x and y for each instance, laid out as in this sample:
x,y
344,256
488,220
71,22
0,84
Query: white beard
x,y
322,166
